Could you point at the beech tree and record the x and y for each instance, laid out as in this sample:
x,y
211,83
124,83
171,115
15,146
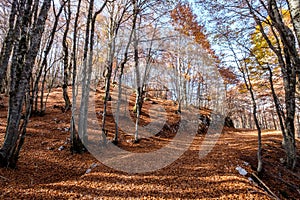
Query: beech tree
x,y
294,7
116,14
38,90
8,43
76,142
238,20
66,61
26,47
288,60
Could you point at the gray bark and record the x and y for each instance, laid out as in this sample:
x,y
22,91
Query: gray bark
x,y
66,59
9,41
43,67
289,62
76,143
294,7
21,71
122,66
248,84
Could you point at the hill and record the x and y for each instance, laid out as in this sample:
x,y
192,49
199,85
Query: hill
x,y
47,169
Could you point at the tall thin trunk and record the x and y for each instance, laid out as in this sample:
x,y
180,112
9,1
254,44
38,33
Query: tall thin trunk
x,y
66,59
43,67
122,66
82,124
138,77
248,83
13,32
294,7
278,106
76,143
289,62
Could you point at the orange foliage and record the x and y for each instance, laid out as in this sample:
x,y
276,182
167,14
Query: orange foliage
x,y
185,21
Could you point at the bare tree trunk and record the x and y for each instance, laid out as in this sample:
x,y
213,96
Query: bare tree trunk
x,y
248,83
122,66
87,69
298,122
66,59
114,25
289,63
278,105
138,77
76,143
82,123
294,7
43,67
12,34
21,72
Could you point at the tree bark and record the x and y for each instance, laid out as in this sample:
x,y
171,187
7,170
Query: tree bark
x,y
66,59
294,7
248,84
9,41
21,71
43,67
122,66
289,62
76,143
289,71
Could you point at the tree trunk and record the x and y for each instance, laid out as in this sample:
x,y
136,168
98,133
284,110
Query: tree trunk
x,y
298,122
289,63
248,83
278,106
12,34
294,7
43,68
66,59
21,71
125,59
76,143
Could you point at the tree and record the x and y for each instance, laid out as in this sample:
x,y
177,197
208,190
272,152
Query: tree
x,y
44,67
23,60
76,142
66,62
116,16
86,72
237,20
12,34
247,80
289,61
294,7
121,68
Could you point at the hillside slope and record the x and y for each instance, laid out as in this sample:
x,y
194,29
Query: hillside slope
x,y
47,169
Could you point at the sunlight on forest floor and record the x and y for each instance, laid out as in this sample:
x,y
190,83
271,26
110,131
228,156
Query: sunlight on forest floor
x,y
45,172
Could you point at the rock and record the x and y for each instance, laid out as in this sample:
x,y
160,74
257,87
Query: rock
x,y
93,165
241,170
61,148
228,122
245,163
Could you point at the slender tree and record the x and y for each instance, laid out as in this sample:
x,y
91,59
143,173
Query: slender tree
x,y
22,63
10,39
76,143
66,62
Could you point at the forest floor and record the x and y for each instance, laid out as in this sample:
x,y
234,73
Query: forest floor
x,y
47,169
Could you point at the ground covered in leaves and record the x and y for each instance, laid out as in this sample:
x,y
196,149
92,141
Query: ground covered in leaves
x,y
47,170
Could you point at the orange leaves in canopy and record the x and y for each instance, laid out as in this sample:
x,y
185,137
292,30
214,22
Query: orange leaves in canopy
x,y
228,75
185,21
